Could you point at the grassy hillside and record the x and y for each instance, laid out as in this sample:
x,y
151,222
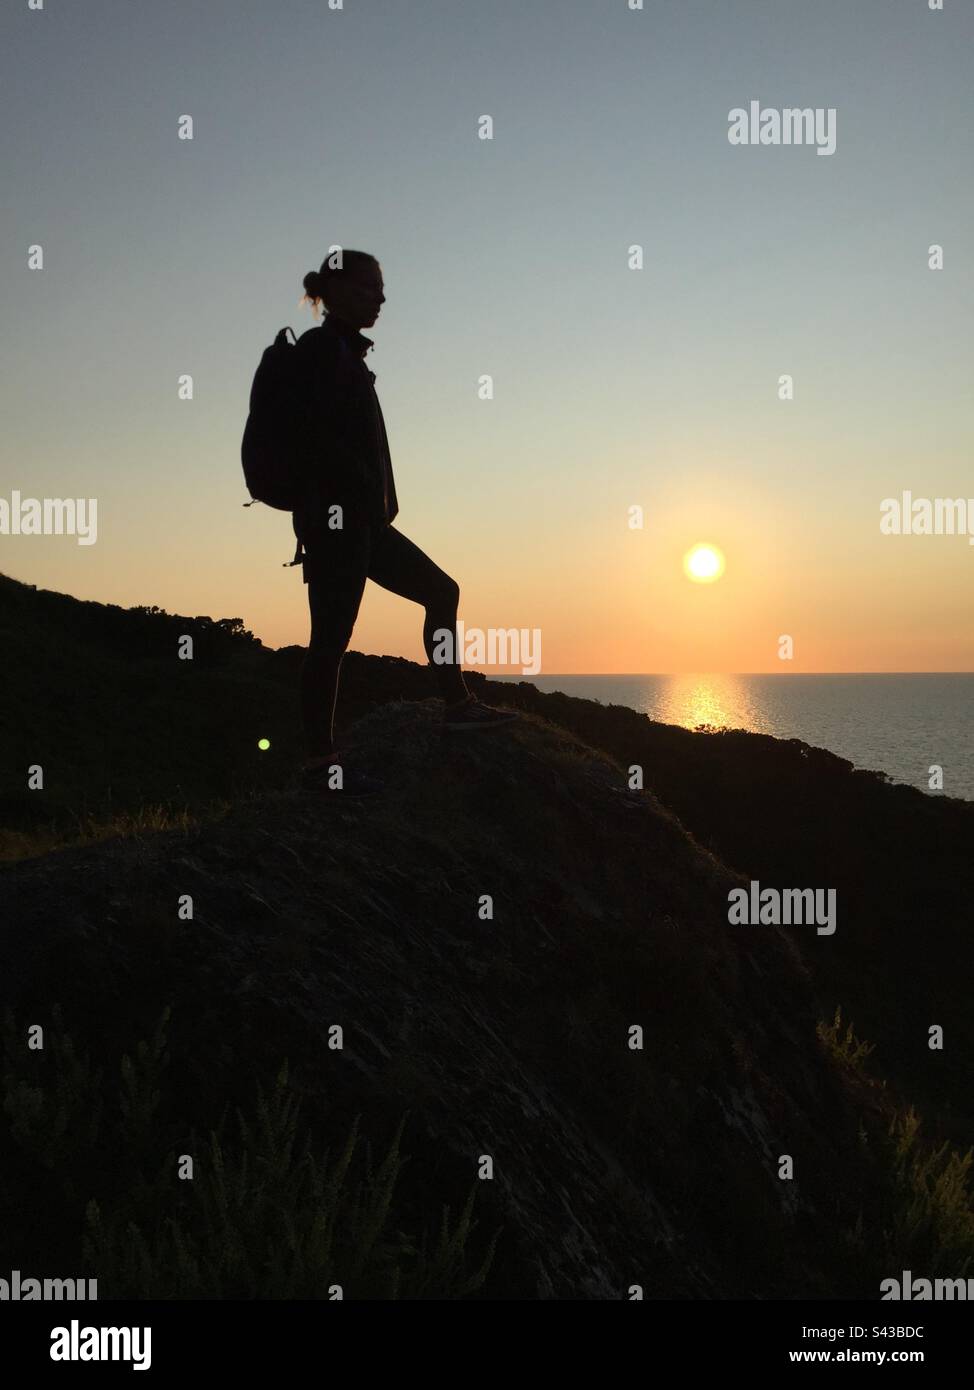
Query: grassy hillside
x,y
462,1037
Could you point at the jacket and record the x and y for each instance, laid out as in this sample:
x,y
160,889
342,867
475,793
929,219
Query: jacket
x,y
346,450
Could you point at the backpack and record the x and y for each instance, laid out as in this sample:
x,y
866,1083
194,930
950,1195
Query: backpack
x,y
271,447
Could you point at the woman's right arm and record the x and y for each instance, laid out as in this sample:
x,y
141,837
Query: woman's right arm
x,y
332,451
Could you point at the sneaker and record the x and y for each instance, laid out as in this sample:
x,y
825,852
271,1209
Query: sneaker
x,y
473,714
319,777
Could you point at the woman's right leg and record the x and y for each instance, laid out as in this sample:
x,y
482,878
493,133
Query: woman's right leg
x,y
319,691
336,570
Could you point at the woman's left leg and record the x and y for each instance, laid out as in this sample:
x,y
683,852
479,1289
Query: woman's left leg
x,y
401,567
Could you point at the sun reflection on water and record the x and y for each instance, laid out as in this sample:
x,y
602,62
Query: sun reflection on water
x,y
714,702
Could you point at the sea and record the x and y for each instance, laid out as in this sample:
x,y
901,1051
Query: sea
x,y
903,725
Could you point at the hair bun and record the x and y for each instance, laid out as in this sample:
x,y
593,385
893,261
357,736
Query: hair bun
x,y
312,284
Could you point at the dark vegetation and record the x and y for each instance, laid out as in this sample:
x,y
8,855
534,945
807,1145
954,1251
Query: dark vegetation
x,y
462,1037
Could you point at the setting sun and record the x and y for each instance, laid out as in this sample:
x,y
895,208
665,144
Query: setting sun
x,y
703,564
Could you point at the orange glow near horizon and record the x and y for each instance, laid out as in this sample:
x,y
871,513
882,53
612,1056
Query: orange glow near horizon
x,y
855,601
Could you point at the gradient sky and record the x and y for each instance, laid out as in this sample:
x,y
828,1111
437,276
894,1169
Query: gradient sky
x,y
612,387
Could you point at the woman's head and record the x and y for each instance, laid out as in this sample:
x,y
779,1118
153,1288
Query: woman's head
x,y
349,284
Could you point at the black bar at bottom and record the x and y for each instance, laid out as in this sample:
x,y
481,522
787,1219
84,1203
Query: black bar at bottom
x,y
308,1338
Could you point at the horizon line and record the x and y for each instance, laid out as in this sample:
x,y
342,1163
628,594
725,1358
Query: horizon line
x,y
786,675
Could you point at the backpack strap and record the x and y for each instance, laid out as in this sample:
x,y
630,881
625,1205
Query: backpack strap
x,y
298,556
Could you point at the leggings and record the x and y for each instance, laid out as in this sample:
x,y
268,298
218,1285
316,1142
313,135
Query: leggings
x,y
336,568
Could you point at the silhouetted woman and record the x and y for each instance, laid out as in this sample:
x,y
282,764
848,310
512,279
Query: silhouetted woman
x,y
345,520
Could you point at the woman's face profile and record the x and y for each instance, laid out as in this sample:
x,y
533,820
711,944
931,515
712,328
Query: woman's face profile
x,y
357,296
